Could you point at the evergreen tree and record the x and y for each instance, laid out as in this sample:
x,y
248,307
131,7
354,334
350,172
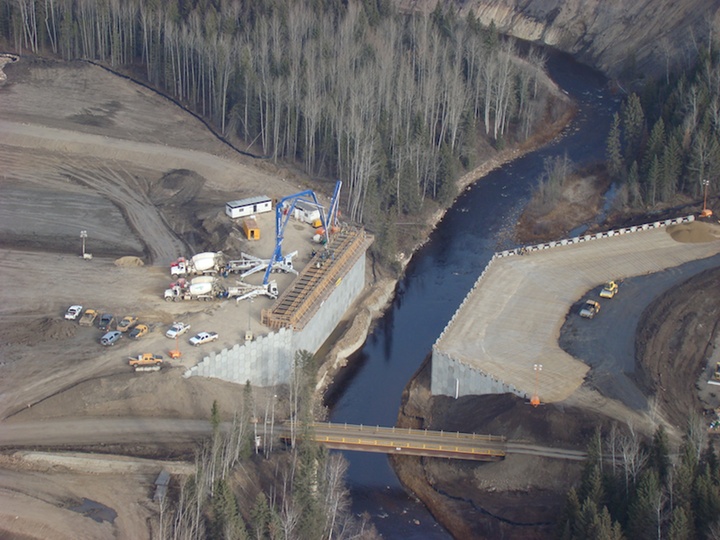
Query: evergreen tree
x,y
614,149
226,523
642,515
651,184
660,454
606,529
567,526
260,516
633,123
671,167
706,502
588,520
655,144
680,526
633,185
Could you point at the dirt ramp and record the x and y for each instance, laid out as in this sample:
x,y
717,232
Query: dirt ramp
x,y
695,232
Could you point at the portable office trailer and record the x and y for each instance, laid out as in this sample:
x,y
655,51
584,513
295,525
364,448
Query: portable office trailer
x,y
248,207
306,212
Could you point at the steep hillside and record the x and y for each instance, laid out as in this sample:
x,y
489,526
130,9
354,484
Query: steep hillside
x,y
621,38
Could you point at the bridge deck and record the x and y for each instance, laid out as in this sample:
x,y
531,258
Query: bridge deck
x,y
415,442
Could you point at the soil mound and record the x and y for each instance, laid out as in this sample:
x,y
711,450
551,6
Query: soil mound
x,y
177,187
129,261
695,232
44,329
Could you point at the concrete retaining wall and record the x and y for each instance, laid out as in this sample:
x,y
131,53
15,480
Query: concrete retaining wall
x,y
268,360
452,378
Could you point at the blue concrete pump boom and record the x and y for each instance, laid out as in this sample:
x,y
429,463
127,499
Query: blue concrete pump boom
x,y
281,222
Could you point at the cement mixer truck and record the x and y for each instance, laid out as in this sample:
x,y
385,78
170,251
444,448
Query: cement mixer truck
x,y
208,263
200,288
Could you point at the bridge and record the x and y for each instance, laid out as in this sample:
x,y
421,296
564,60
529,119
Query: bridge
x,y
93,431
425,442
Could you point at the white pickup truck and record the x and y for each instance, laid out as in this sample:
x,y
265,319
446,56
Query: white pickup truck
x,y
203,337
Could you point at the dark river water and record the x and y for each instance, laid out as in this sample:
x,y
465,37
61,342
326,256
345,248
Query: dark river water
x,y
439,276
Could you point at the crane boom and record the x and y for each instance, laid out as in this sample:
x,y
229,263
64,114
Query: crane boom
x,y
281,222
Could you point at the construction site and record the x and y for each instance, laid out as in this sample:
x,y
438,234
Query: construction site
x,y
134,268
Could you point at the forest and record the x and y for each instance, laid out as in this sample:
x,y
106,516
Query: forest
x,y
393,104
663,145
633,489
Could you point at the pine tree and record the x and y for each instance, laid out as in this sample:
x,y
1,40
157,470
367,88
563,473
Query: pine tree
x,y
651,183
567,526
660,454
226,522
671,165
633,123
642,515
260,516
614,149
655,144
607,529
680,526
633,185
706,502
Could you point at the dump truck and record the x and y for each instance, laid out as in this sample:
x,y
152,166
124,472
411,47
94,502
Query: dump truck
x,y
88,318
609,290
589,309
207,263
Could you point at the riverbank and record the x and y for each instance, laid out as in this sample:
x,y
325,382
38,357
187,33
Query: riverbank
x,y
378,296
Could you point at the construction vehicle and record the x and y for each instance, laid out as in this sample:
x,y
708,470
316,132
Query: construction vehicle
x,y
88,318
207,263
244,291
589,309
146,362
200,288
249,264
609,290
285,208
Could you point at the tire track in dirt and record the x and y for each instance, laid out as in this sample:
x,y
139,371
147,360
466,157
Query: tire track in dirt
x,y
161,244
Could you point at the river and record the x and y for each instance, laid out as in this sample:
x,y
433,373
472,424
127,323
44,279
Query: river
x,y
438,277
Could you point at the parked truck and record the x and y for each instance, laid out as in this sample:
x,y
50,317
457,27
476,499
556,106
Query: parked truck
x,y
199,288
244,291
146,362
208,263
88,318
